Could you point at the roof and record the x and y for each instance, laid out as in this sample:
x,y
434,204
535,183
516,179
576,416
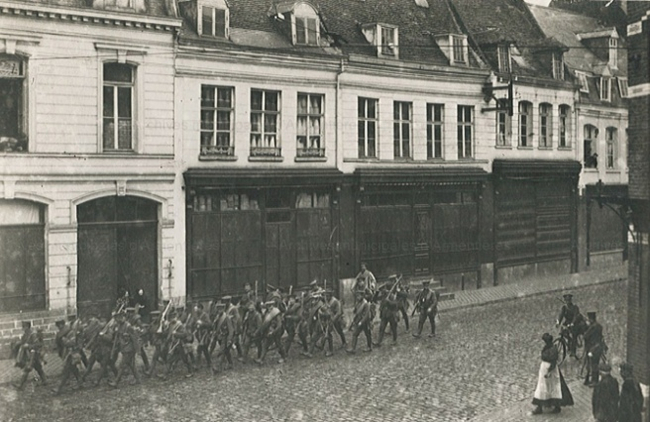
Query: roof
x,y
254,23
493,22
154,8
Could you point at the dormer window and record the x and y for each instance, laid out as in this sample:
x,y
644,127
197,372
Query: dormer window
x,y
558,66
504,58
459,49
605,89
584,83
307,31
214,22
622,86
613,53
384,37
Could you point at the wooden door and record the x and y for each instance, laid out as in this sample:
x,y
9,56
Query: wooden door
x,y
280,254
97,269
422,237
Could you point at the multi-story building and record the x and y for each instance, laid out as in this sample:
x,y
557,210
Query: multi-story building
x,y
87,167
597,59
638,338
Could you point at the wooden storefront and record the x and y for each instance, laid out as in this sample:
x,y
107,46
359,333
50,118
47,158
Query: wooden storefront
x,y
274,227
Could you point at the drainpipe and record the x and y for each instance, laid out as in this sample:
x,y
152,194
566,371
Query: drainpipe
x,y
337,120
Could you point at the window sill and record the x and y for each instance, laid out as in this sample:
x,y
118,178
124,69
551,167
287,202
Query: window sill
x,y
217,158
503,146
564,148
310,159
590,169
613,171
361,160
520,147
262,158
435,160
545,148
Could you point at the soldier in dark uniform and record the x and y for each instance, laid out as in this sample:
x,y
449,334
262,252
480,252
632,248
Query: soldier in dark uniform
x,y
251,332
631,401
571,319
271,331
224,333
402,292
100,344
202,331
604,401
233,313
128,343
362,322
594,347
142,331
30,354
177,335
427,305
72,343
62,330
336,310
320,326
158,332
388,315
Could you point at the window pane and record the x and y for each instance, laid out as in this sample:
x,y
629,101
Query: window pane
x,y
256,100
302,125
372,109
108,101
206,20
371,130
207,96
438,133
207,119
124,102
300,31
311,31
302,103
224,99
314,125
124,134
220,23
270,123
271,101
223,120
108,140
223,139
256,122
361,107
315,104
118,72
396,111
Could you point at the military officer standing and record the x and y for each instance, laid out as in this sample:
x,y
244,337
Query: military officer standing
x,y
594,347
362,323
388,315
427,305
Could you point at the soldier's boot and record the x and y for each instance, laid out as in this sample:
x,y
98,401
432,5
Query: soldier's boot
x,y
419,332
41,374
330,347
406,321
382,329
368,341
145,359
23,380
353,347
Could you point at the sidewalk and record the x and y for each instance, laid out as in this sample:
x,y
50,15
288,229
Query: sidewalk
x,y
462,299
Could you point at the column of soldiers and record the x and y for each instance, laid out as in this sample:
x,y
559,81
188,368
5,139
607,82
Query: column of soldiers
x,y
216,332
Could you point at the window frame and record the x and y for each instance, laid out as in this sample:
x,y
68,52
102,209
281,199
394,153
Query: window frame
x,y
605,86
504,58
219,150
564,126
613,52
545,125
611,145
558,65
462,127
402,128
435,146
367,121
22,112
262,149
584,81
383,47
310,151
213,29
455,48
622,86
503,125
589,136
116,86
525,120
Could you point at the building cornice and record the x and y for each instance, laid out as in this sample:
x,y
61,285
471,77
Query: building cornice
x,y
89,16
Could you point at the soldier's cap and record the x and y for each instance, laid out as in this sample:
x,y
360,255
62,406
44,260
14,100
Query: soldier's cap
x,y
27,324
567,296
60,323
604,367
314,283
426,282
227,298
591,314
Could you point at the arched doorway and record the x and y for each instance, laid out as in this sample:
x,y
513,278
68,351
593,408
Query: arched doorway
x,y
117,245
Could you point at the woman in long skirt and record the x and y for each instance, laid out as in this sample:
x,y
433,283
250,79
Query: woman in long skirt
x,y
552,390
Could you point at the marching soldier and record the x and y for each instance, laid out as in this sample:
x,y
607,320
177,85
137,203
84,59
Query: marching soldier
x,y
402,300
128,343
159,331
295,321
388,315
177,335
142,331
362,323
427,306
72,344
30,354
202,331
320,326
224,333
271,331
337,315
251,332
100,345
237,322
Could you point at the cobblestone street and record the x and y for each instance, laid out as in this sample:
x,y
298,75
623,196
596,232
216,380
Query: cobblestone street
x,y
484,358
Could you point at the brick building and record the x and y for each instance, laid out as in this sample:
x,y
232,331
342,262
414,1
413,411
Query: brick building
x,y
638,33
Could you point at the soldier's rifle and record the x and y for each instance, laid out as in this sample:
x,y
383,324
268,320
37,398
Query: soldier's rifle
x,y
162,318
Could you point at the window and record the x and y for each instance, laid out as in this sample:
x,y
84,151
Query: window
x,y
465,131
217,110
402,129
584,83
613,52
610,138
310,125
622,87
504,123
214,22
605,89
312,200
118,107
558,66
367,127
590,146
307,31
564,126
525,124
545,126
504,58
435,119
458,49
388,41
12,96
265,116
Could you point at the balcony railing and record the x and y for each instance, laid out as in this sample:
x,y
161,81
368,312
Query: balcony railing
x,y
217,150
311,152
266,151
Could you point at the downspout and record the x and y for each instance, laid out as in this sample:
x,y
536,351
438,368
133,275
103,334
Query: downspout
x,y
338,144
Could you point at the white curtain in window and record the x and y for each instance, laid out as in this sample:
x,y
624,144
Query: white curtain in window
x,y
13,212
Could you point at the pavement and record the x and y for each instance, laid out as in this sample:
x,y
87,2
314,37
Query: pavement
x,y
482,366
